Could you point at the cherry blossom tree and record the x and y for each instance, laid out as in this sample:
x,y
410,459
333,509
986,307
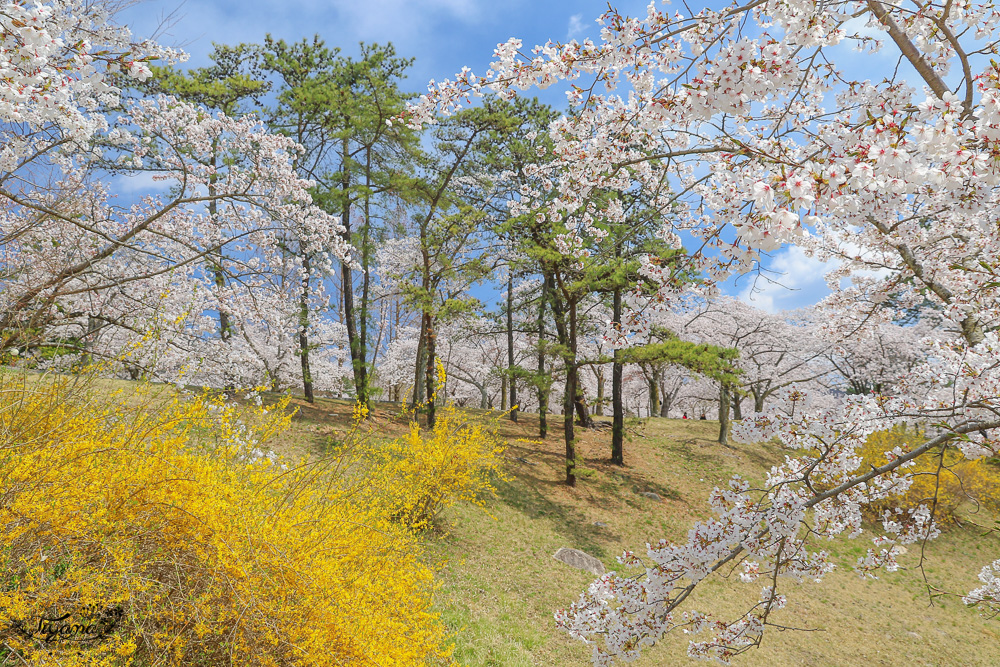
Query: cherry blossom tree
x,y
71,252
767,141
879,360
775,352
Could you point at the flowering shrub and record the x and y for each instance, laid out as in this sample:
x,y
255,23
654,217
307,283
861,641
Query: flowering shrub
x,y
942,477
153,504
423,473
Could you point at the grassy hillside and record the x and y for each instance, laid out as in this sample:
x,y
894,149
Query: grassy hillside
x,y
500,584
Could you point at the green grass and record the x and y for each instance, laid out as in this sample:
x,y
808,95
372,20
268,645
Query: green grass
x,y
499,585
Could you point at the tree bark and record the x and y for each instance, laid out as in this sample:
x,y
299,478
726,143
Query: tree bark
x,y
599,376
364,391
582,416
567,338
347,278
737,406
724,414
569,399
431,370
654,395
307,383
418,380
218,273
617,404
510,347
543,392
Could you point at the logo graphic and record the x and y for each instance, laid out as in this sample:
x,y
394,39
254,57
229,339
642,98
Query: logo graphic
x,y
87,624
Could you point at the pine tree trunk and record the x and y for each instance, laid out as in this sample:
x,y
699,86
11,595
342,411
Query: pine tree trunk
x,y
418,380
225,325
307,383
599,407
654,396
569,399
510,347
724,414
363,389
431,380
580,400
737,406
617,404
350,320
543,392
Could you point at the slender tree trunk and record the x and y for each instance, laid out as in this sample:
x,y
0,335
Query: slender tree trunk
x,y
737,406
218,273
758,401
599,376
510,346
431,370
503,393
724,414
347,278
225,322
307,383
350,321
617,405
568,399
225,326
543,391
418,380
364,391
447,370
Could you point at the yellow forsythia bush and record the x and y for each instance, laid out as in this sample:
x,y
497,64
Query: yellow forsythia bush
x,y
960,480
425,472
148,514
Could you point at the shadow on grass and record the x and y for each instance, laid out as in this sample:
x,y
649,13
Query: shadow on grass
x,y
533,496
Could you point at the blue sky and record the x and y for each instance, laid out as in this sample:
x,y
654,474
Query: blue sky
x,y
443,36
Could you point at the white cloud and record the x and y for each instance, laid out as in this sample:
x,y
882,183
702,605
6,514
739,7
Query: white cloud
x,y
793,279
859,26
141,183
791,275
576,26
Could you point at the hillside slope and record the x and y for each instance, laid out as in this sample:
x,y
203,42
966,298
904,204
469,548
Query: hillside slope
x,y
499,584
